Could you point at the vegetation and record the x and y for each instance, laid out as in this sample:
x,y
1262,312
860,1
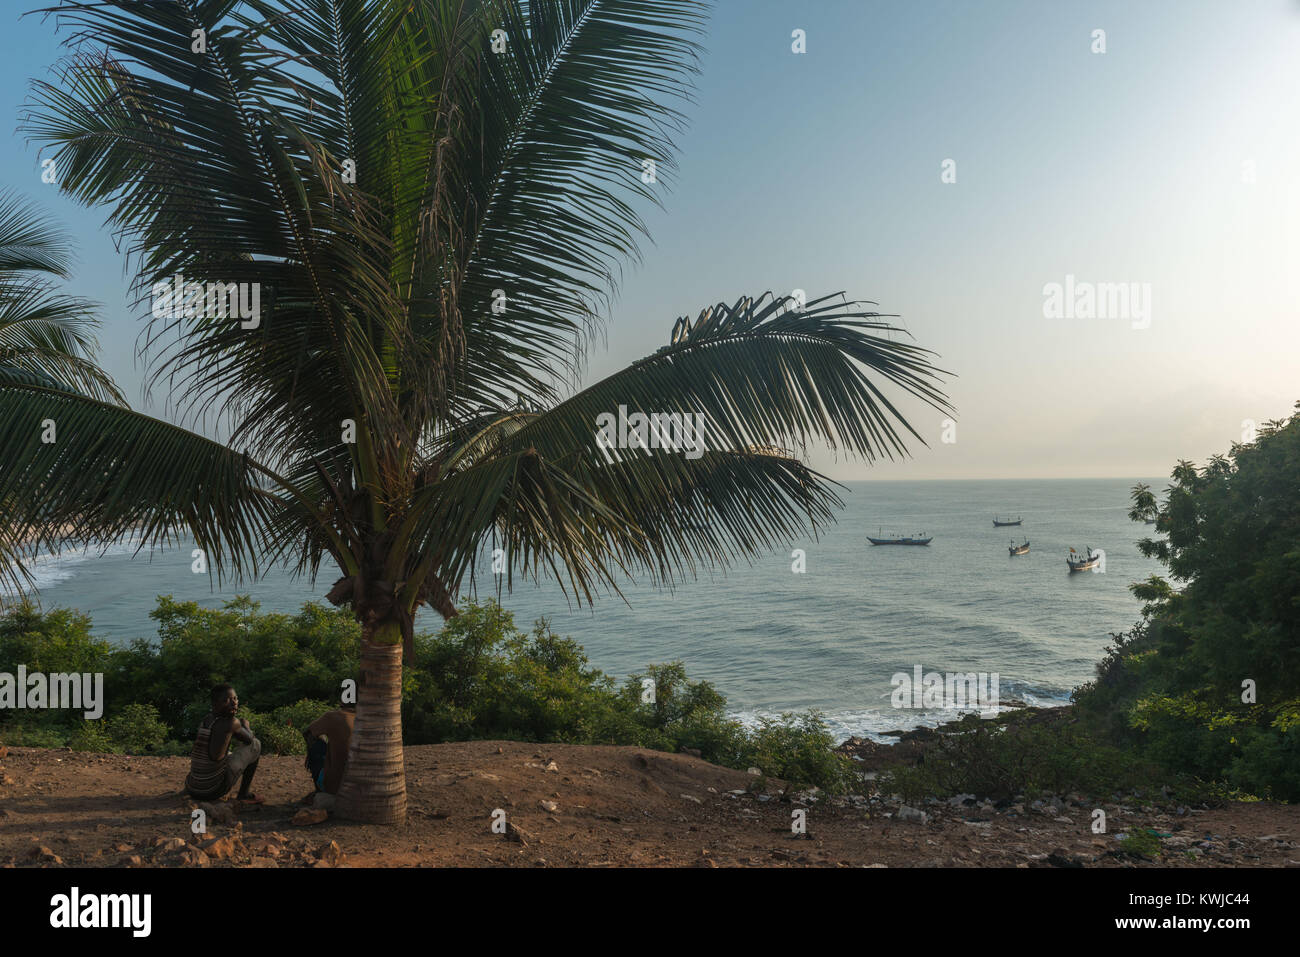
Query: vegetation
x,y
46,336
478,678
1209,681
1025,755
1201,699
433,200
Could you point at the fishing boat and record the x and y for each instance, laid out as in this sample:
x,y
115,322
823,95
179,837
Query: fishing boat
x,y
1078,564
918,539
998,524
1015,549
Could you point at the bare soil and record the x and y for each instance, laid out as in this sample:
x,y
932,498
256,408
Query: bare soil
x,y
581,806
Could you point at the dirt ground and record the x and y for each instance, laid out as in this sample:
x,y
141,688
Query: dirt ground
x,y
570,805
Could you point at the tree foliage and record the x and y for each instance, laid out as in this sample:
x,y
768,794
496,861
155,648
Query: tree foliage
x,y
1210,680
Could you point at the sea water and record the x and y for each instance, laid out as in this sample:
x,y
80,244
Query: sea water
x,y
773,639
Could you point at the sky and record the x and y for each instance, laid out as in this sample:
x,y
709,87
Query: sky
x,y
1170,162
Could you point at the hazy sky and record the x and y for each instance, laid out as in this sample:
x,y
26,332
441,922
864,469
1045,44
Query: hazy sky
x,y
822,171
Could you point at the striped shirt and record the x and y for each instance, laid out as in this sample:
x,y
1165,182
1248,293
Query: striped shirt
x,y
208,778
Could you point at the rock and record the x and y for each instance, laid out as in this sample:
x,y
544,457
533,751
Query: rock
x,y
43,855
169,845
1059,858
906,813
132,861
690,797
4,752
121,848
754,771
549,806
193,857
224,848
330,855
268,849
323,801
959,800
309,816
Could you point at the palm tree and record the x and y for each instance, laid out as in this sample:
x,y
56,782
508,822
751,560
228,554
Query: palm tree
x,y
1145,507
45,336
434,199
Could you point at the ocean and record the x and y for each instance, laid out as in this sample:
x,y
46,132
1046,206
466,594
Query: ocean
x,y
775,640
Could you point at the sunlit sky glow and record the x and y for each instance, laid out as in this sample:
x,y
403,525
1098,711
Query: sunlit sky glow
x,y
821,171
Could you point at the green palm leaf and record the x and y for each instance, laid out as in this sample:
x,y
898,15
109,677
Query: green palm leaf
x,y
110,474
764,374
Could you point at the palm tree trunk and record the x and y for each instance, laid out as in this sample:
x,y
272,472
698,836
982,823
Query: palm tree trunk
x,y
374,783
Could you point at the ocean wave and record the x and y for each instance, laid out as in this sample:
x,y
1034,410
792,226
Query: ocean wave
x,y
873,723
48,569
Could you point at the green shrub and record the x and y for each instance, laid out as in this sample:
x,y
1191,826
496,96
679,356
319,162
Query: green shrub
x,y
1172,689
479,677
1142,843
798,749
998,762
136,729
92,736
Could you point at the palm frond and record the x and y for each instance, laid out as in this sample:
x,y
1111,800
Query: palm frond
x,y
758,377
207,180
29,242
78,470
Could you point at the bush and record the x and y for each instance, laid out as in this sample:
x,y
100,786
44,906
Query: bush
x,y
1142,843
281,731
137,729
1172,689
479,677
999,762
91,736
797,749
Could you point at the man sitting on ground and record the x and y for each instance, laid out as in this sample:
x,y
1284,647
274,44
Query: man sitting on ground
x,y
327,751
213,769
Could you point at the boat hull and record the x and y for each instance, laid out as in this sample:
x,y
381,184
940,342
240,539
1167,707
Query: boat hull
x,y
899,541
997,524
1018,549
